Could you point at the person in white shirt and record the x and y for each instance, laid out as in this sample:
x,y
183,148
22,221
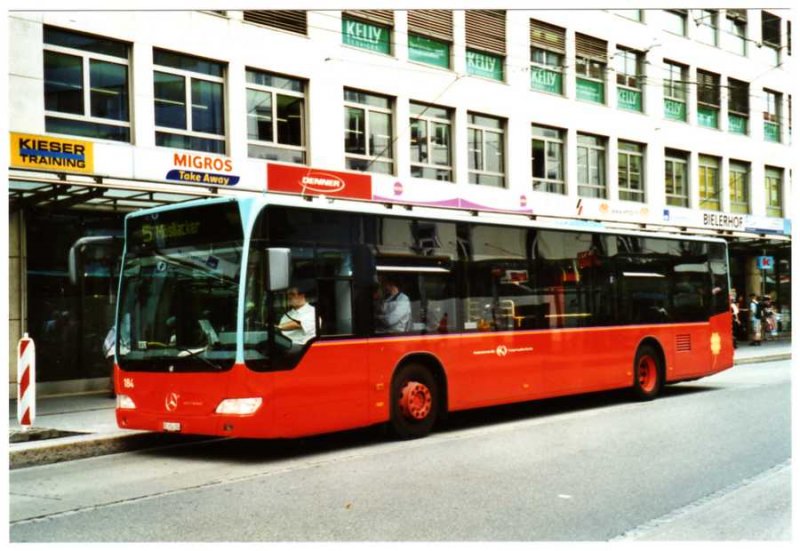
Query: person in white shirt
x,y
299,323
395,313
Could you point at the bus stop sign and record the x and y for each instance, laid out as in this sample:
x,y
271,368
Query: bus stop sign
x,y
765,262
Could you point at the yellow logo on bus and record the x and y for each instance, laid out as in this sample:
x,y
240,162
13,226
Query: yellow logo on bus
x,y
716,344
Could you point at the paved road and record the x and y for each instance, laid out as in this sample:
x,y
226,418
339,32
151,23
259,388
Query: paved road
x,y
708,461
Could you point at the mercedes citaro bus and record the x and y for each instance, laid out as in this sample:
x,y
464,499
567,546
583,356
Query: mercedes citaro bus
x,y
502,309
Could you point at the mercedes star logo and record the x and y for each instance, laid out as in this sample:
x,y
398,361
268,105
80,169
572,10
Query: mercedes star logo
x,y
171,402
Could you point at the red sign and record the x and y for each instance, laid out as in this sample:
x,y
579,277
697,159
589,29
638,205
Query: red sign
x,y
311,181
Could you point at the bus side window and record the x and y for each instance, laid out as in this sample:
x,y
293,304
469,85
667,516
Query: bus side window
x,y
335,307
334,272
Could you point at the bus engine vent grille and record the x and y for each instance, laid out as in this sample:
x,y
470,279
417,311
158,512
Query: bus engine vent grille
x,y
683,343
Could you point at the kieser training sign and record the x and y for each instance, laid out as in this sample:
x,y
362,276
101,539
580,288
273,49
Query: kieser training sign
x,y
48,153
311,181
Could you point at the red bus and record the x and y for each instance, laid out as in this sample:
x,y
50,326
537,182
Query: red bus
x,y
413,314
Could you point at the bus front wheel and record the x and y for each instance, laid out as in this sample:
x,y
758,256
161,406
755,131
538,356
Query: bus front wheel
x,y
648,373
414,401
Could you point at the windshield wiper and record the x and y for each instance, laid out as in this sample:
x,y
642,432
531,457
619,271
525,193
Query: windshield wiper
x,y
196,354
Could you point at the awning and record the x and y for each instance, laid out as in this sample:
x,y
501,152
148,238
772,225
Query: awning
x,y
36,189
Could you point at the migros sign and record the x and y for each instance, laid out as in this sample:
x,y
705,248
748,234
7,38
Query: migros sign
x,y
194,168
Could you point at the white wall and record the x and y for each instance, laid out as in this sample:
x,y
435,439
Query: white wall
x,y
330,66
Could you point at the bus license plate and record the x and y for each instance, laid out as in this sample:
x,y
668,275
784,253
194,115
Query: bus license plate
x,y
172,427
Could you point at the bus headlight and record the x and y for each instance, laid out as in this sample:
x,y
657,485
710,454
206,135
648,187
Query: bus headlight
x,y
239,406
125,402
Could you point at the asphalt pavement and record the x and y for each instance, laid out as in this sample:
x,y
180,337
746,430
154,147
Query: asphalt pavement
x,y
84,425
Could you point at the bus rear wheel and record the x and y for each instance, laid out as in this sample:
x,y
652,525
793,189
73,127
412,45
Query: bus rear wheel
x,y
648,373
414,401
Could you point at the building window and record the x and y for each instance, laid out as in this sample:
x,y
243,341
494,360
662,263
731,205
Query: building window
x,y
275,117
368,29
486,143
430,37
739,182
628,65
774,190
590,66
431,142
738,106
368,141
708,99
708,27
772,117
771,35
86,86
675,77
734,36
633,15
547,156
630,171
676,178
189,102
486,43
592,166
708,184
674,21
548,46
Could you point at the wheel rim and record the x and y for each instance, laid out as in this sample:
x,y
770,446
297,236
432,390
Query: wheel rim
x,y
415,401
648,374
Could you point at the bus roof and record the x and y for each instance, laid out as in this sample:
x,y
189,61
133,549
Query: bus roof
x,y
429,213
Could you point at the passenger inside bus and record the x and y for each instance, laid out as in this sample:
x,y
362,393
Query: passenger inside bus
x,y
394,314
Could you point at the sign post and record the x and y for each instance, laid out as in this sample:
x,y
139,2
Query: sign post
x,y
26,382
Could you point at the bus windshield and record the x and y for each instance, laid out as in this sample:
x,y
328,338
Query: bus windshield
x,y
180,286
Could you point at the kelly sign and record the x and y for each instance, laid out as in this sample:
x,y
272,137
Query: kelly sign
x,y
310,181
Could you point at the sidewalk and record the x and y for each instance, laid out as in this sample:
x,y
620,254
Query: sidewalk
x,y
79,426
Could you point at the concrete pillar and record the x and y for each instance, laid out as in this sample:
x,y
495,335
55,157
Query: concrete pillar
x,y
17,292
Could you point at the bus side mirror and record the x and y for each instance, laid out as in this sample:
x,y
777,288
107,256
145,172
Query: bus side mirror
x,y
78,248
278,268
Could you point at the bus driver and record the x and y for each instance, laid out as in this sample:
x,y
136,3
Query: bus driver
x,y
299,323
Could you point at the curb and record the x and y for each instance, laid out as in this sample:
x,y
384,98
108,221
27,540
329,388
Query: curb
x,y
45,452
760,359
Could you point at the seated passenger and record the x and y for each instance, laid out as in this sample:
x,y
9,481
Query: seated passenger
x,y
395,309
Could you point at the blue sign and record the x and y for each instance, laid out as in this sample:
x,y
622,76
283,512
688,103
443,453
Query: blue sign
x,y
765,262
192,177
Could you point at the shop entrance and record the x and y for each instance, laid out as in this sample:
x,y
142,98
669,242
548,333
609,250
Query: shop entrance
x,y
69,321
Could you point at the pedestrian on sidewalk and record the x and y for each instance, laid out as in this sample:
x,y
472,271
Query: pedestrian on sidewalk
x,y
769,328
755,321
735,322
109,343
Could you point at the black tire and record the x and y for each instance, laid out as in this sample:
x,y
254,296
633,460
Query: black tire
x,y
414,401
648,373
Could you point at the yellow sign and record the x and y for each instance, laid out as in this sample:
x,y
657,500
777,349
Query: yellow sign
x,y
48,153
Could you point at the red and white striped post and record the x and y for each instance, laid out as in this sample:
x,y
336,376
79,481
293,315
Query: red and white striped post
x,y
26,382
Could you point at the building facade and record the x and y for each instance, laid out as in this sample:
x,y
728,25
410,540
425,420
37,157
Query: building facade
x,y
672,120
